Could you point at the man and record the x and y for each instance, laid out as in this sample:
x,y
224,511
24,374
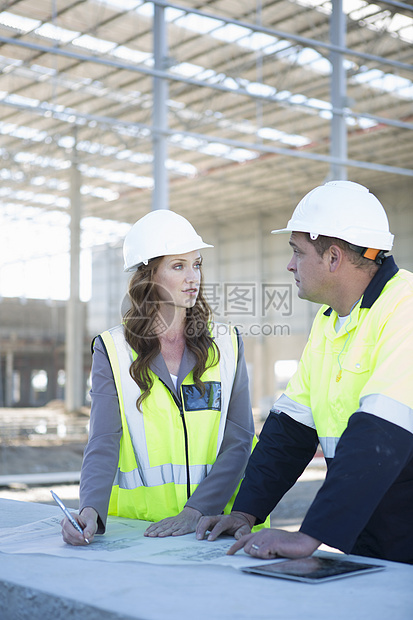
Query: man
x,y
352,393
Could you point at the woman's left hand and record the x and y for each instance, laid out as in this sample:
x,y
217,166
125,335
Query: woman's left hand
x,y
183,523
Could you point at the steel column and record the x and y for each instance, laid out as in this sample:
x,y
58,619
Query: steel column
x,y
160,194
74,317
338,147
9,379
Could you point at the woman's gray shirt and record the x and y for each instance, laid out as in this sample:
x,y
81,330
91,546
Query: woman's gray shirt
x,y
101,455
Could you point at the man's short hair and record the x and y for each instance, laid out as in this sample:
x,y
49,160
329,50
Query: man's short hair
x,y
353,252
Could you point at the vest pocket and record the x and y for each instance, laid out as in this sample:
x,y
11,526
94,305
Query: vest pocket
x,y
195,401
358,360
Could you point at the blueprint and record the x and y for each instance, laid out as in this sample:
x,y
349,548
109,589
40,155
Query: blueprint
x,y
123,542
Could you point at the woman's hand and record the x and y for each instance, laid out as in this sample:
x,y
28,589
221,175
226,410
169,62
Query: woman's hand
x,y
87,520
183,523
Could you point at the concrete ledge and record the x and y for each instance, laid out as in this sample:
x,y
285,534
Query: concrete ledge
x,y
39,587
22,603
59,477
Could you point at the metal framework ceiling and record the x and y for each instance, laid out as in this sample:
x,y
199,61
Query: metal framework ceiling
x,y
249,112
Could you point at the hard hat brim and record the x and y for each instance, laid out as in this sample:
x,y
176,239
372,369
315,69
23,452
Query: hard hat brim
x,y
280,230
199,246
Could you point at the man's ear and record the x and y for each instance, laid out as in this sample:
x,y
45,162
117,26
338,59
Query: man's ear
x,y
335,257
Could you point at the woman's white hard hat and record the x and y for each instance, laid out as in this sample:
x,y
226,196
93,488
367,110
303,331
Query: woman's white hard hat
x,y
159,233
345,210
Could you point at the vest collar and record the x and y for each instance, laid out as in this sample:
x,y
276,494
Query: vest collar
x,y
160,369
384,273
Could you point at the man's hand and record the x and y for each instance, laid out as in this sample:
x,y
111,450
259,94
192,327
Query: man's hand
x,y
87,520
271,543
236,523
183,523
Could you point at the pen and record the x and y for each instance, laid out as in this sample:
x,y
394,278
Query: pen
x,y
68,515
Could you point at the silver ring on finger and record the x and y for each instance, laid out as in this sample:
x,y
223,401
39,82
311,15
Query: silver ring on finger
x,y
256,547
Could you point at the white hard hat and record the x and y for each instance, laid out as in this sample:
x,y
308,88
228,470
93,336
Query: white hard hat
x,y
345,210
159,233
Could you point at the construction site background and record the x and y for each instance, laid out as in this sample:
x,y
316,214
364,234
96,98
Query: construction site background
x,y
42,448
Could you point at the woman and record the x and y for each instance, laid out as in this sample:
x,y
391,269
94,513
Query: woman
x,y
171,426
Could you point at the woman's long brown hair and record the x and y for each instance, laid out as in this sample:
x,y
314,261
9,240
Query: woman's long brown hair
x,y
142,323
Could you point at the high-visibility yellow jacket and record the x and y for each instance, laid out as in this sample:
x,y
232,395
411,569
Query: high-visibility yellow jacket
x,y
170,447
365,366
353,393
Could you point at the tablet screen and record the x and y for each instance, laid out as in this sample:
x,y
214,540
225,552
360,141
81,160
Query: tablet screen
x,y
313,569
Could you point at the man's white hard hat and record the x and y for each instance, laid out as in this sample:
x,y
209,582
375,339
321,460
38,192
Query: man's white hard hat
x,y
159,233
345,210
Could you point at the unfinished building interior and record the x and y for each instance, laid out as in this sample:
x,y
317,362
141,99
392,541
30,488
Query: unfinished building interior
x,y
227,113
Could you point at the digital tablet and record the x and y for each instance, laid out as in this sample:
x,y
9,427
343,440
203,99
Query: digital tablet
x,y
313,569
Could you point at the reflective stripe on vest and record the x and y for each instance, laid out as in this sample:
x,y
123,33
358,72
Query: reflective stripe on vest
x,y
133,421
163,474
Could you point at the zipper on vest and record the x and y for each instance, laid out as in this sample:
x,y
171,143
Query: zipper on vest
x,y
188,475
181,413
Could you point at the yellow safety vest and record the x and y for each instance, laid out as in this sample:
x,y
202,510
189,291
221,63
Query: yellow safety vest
x,y
152,476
